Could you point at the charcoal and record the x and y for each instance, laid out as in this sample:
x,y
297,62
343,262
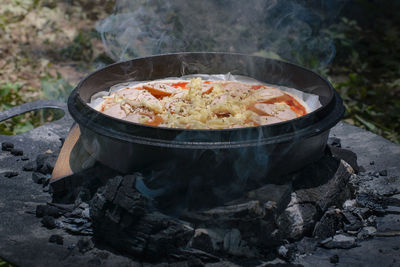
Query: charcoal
x,y
84,245
366,232
306,245
30,166
94,262
339,241
46,210
372,163
126,221
349,156
62,140
7,146
334,259
45,163
383,173
334,141
38,177
330,222
49,222
372,202
202,240
56,239
287,252
195,253
195,262
24,158
10,174
352,222
80,226
71,246
17,152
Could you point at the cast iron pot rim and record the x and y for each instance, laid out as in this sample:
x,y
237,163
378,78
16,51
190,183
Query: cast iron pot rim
x,y
337,110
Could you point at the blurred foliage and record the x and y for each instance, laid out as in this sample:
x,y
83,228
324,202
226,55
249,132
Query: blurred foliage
x,y
5,264
39,38
366,70
79,49
10,96
55,88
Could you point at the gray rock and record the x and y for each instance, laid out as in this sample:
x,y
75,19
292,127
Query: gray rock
x,y
366,232
340,241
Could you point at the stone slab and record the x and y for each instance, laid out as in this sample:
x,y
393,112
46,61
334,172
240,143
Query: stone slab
x,y
25,243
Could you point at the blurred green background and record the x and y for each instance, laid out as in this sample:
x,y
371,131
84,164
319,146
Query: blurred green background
x,y
47,46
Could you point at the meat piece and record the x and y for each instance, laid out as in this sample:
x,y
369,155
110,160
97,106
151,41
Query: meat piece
x,y
286,114
115,111
268,93
263,109
236,89
149,101
279,110
130,93
219,100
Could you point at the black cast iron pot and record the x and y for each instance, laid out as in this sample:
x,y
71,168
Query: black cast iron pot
x,y
214,164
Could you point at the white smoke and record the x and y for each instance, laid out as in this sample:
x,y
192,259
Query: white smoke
x,y
290,29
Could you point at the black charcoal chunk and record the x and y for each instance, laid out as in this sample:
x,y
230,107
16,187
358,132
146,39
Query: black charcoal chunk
x,y
56,239
349,156
195,262
39,178
7,146
45,210
383,173
45,163
330,222
84,245
24,158
17,152
334,259
10,174
71,246
49,222
30,166
372,163
94,262
334,141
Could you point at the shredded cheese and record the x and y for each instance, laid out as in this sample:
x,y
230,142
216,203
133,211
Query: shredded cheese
x,y
198,105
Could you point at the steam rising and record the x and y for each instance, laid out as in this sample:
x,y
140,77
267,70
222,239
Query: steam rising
x,y
292,29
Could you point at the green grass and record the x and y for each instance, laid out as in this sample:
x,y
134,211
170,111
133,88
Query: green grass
x,y
5,264
11,95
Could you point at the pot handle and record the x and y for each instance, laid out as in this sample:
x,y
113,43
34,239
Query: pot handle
x,y
39,104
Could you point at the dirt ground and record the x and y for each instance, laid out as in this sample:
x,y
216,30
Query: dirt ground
x,y
47,41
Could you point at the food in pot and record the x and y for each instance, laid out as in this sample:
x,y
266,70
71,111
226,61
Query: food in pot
x,y
198,104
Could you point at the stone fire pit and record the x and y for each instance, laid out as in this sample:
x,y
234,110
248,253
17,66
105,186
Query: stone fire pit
x,y
334,212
